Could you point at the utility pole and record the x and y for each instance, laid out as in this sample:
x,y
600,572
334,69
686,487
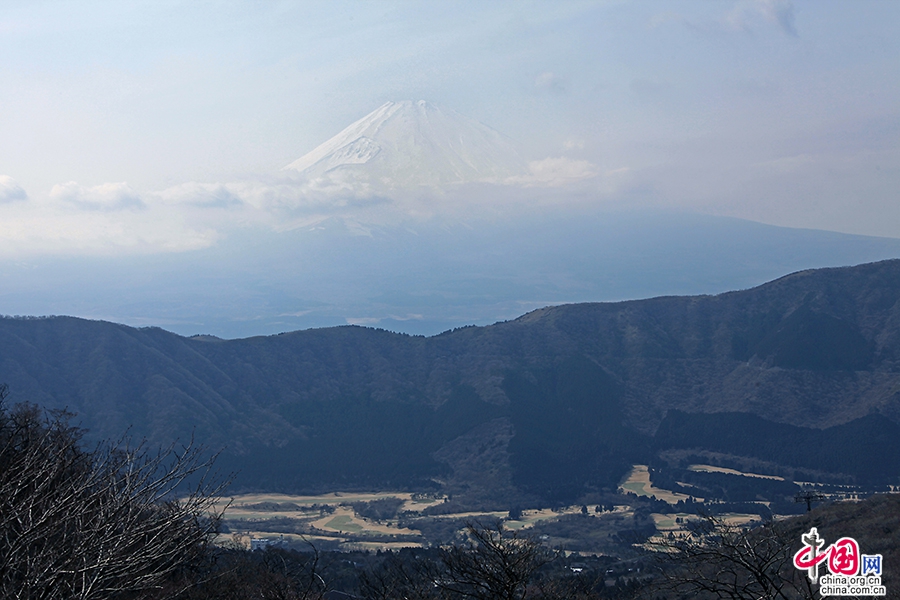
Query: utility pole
x,y
809,497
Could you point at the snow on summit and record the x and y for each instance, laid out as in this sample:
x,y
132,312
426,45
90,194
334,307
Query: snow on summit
x,y
403,145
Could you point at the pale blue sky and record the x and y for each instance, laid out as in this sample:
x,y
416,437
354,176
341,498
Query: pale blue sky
x,y
780,111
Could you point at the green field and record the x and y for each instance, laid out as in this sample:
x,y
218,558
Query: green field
x,y
344,523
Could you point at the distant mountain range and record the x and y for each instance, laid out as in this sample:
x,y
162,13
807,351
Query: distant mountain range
x,y
550,405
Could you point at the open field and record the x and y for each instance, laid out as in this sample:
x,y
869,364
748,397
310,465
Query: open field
x,y
345,520
712,469
332,518
638,482
326,518
532,517
497,514
412,501
666,523
242,539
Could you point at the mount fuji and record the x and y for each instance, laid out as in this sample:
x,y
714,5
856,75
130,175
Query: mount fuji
x,y
409,145
418,219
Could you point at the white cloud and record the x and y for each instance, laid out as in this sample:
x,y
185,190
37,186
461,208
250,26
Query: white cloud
x,y
292,194
409,317
10,191
272,195
106,196
363,321
555,171
372,321
106,219
56,230
324,196
277,202
200,194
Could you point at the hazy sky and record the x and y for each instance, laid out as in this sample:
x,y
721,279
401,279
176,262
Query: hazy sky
x,y
160,125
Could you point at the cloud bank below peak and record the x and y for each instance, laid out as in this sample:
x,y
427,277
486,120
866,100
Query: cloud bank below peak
x,y
106,196
556,172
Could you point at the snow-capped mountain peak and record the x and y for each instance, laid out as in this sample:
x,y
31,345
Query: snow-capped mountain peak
x,y
412,144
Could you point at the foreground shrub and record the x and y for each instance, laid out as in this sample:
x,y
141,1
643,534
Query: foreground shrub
x,y
102,523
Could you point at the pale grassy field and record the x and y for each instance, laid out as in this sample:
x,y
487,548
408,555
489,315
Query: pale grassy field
x,y
242,539
712,469
344,519
347,525
333,498
532,517
334,515
638,481
326,512
498,514
335,521
667,522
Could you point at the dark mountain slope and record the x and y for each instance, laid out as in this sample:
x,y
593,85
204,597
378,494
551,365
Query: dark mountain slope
x,y
859,448
559,400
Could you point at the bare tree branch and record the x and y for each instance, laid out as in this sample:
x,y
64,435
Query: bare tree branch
x,y
716,559
106,523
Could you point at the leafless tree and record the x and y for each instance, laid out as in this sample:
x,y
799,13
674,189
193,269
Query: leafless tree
x,y
717,559
104,523
497,564
494,563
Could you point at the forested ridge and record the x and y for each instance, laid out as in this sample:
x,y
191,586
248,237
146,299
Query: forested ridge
x,y
562,399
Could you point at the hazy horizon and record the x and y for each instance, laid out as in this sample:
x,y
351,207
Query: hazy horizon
x,y
144,144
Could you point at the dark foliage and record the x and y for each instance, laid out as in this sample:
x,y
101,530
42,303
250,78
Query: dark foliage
x,y
726,487
570,432
807,339
263,575
495,564
868,448
379,510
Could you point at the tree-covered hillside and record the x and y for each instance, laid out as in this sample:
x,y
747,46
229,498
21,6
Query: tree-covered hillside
x,y
553,404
